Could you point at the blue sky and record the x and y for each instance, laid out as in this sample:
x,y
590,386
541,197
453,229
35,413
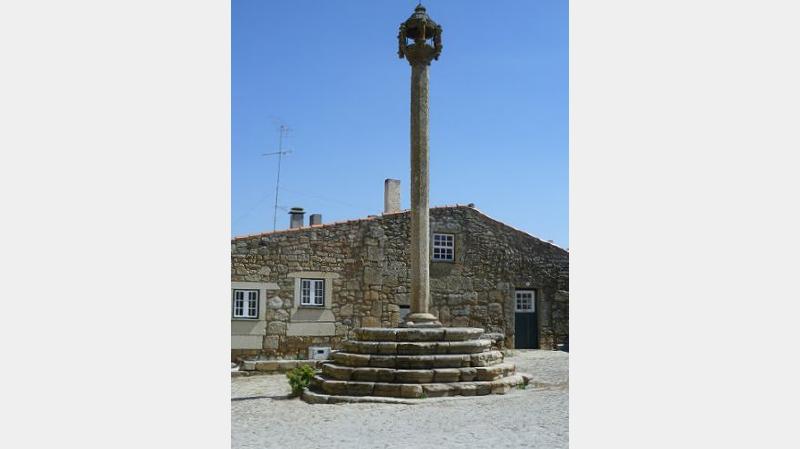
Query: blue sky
x,y
329,70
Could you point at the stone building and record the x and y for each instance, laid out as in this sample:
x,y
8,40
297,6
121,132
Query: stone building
x,y
311,286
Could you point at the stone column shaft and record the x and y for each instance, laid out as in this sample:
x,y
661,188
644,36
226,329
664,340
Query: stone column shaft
x,y
421,29
420,220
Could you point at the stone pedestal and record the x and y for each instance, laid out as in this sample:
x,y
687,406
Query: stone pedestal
x,y
413,363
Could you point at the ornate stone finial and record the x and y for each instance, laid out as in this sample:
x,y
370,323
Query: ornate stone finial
x,y
420,28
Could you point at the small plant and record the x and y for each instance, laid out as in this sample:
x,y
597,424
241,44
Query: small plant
x,y
423,396
300,378
522,386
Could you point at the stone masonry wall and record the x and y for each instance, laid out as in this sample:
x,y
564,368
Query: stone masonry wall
x,y
371,257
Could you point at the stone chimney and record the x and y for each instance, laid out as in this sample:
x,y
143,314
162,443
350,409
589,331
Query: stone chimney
x,y
315,220
296,217
391,196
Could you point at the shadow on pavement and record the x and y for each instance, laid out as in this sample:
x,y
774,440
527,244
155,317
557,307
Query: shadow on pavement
x,y
277,397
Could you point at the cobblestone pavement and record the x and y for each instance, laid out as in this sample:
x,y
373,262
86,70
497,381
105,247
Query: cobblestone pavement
x,y
536,417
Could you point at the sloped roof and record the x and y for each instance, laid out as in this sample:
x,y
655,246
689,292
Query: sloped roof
x,y
378,217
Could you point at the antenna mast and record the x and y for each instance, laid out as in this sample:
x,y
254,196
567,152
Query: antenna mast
x,y
284,131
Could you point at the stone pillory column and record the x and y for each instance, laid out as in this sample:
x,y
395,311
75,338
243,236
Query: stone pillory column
x,y
421,358
420,29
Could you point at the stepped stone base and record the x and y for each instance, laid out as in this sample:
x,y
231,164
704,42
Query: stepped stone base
x,y
394,365
416,394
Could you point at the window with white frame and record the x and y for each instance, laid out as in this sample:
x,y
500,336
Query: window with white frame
x,y
312,292
245,304
443,246
526,301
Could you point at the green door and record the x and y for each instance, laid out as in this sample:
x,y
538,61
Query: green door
x,y
526,333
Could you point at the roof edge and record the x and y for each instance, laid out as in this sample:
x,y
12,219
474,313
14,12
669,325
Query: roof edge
x,y
377,217
528,234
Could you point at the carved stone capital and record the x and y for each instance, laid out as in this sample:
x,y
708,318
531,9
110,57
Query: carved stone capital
x,y
421,53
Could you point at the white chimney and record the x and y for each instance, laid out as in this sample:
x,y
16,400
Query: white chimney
x,y
391,196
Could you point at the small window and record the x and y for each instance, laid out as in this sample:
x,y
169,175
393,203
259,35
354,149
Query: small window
x,y
443,246
404,311
312,292
526,301
245,304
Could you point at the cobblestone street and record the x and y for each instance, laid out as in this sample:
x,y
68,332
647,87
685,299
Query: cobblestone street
x,y
536,417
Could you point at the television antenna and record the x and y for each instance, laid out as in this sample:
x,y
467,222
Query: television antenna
x,y
284,131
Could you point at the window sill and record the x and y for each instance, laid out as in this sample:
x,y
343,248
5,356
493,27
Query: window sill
x,y
239,318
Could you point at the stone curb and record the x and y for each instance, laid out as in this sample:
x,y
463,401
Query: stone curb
x,y
277,366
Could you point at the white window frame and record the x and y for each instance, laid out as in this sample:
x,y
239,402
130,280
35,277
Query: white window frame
x,y
245,306
443,247
525,301
312,292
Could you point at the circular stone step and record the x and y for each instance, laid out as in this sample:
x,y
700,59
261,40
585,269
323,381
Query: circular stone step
x,y
353,360
417,348
343,389
332,371
386,334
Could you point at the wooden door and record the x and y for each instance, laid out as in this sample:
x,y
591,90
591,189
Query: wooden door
x,y
526,332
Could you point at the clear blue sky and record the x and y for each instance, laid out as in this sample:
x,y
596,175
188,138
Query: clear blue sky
x,y
330,71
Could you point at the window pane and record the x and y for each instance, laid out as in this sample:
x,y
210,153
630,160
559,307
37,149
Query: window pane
x,y
319,293
525,300
238,303
245,304
305,292
253,305
443,246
